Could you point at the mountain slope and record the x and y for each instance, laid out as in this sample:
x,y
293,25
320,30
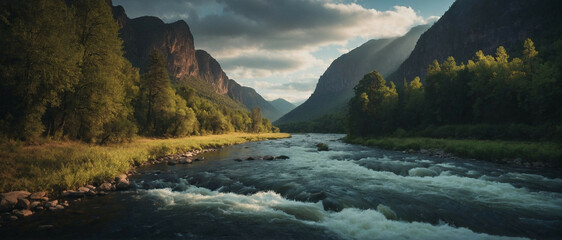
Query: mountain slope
x,y
472,25
335,86
282,105
184,64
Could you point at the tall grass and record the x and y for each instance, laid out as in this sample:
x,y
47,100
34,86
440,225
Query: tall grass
x,y
494,150
55,166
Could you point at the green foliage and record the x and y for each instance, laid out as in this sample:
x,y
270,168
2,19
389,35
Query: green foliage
x,y
371,107
503,151
491,93
329,123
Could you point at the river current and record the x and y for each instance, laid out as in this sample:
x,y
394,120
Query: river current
x,y
349,192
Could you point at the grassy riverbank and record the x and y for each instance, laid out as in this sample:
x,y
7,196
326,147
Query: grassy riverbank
x,y
56,166
496,150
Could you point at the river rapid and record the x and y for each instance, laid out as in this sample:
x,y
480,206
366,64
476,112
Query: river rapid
x,y
349,192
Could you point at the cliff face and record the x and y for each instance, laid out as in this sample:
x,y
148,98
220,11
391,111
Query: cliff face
x,y
472,25
211,72
335,86
144,34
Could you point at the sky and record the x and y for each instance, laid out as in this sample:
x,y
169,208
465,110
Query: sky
x,y
282,47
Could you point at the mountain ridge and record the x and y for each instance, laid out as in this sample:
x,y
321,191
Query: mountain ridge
x,y
335,86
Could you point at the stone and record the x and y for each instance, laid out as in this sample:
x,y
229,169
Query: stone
x,y
106,187
51,203
37,195
83,189
122,182
12,218
387,212
268,157
12,197
40,208
59,207
238,160
9,200
73,194
52,208
199,159
250,158
23,204
6,205
34,204
282,157
172,162
22,213
331,204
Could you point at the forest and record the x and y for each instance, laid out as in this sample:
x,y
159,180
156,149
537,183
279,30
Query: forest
x,y
64,77
489,97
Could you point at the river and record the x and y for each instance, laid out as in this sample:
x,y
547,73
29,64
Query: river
x,y
315,195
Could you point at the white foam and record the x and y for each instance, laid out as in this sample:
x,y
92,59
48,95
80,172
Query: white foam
x,y
350,223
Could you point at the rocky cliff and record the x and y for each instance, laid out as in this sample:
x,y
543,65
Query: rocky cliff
x,y
144,34
335,86
472,25
174,40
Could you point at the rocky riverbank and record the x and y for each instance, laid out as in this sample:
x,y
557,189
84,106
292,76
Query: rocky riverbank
x,y
19,204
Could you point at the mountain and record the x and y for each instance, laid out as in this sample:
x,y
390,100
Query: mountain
x,y
196,68
282,105
144,34
472,25
335,86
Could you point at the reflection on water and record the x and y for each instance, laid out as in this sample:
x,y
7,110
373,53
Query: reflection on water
x,y
222,198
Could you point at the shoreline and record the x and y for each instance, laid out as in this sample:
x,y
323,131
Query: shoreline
x,y
512,153
17,204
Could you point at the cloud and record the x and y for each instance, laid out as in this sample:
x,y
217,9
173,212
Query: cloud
x,y
257,40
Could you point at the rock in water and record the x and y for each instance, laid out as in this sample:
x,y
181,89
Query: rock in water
x,y
121,182
22,213
106,186
9,200
422,172
331,204
387,212
51,204
282,157
268,157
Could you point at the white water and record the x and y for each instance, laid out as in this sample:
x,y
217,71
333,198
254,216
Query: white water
x,y
350,223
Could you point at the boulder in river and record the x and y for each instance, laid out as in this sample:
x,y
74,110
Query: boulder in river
x,y
268,157
387,212
9,200
282,157
331,204
238,160
51,203
121,182
250,158
422,172
22,213
106,187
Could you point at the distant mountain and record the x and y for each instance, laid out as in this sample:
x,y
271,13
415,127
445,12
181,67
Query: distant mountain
x,y
472,25
282,105
335,86
197,68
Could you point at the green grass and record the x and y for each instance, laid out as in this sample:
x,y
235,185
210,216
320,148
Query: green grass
x,y
493,150
56,166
